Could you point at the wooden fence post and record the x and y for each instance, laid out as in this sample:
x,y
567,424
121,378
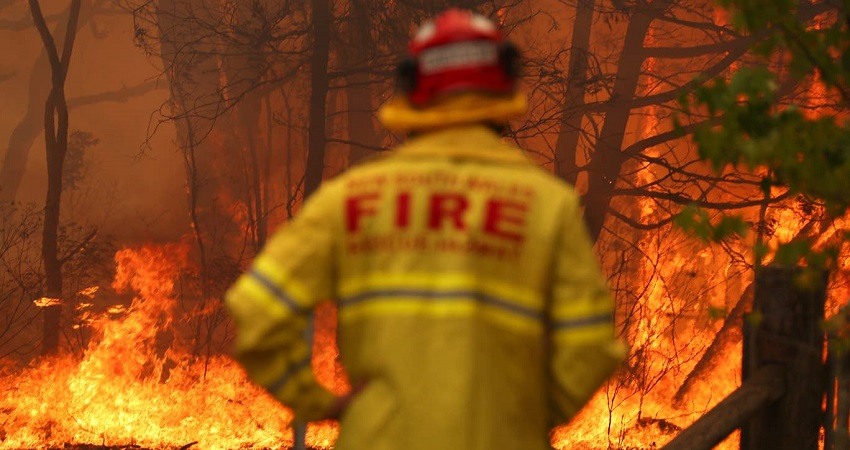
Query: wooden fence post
x,y
785,329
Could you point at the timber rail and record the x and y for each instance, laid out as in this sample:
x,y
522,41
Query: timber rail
x,y
763,388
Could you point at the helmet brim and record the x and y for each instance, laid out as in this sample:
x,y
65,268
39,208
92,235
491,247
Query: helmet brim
x,y
456,109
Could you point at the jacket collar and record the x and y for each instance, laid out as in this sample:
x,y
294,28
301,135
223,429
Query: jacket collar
x,y
468,141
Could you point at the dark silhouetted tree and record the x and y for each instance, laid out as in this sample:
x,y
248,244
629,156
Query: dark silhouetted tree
x,y
56,144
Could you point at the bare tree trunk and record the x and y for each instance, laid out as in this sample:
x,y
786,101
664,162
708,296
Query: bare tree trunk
x,y
318,96
56,145
607,160
257,194
363,137
247,64
570,132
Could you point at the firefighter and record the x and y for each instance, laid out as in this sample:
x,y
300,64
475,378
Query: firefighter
x,y
472,311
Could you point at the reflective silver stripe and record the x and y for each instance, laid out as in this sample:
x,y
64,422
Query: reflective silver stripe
x,y
290,372
458,56
456,295
583,321
277,291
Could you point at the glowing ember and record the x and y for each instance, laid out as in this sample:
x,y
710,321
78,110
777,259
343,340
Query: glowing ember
x,y
89,291
44,302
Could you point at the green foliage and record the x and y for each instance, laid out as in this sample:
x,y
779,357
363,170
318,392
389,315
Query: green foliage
x,y
750,130
810,156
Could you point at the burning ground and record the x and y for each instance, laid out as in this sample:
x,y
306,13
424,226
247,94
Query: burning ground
x,y
133,387
126,390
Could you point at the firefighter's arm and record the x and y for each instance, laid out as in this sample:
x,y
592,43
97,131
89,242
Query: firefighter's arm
x,y
584,349
271,304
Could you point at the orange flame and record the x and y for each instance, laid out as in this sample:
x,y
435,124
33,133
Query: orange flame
x,y
126,390
44,302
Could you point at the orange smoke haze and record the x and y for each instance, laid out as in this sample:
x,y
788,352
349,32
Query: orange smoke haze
x,y
124,193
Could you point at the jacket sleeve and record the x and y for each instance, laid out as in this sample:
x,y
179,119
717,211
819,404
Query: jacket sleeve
x,y
584,349
272,301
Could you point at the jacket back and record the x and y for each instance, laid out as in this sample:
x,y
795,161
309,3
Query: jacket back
x,y
471,306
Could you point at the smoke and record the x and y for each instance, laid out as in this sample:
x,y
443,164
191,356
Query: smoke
x,y
126,189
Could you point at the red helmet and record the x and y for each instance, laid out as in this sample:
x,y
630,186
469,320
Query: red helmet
x,y
457,51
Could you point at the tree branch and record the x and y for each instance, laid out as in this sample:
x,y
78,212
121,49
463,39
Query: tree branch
x,y
690,52
639,225
79,247
732,55
685,200
118,95
70,36
46,37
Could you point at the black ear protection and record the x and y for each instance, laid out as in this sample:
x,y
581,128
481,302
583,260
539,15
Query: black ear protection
x,y
406,75
408,68
509,56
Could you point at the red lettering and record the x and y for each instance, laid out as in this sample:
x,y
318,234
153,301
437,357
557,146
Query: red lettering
x,y
447,206
357,207
505,219
402,214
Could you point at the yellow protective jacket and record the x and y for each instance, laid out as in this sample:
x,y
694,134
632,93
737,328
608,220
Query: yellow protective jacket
x,y
471,305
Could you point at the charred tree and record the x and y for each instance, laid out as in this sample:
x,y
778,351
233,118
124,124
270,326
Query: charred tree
x,y
570,130
363,138
317,137
245,66
56,146
607,160
257,187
